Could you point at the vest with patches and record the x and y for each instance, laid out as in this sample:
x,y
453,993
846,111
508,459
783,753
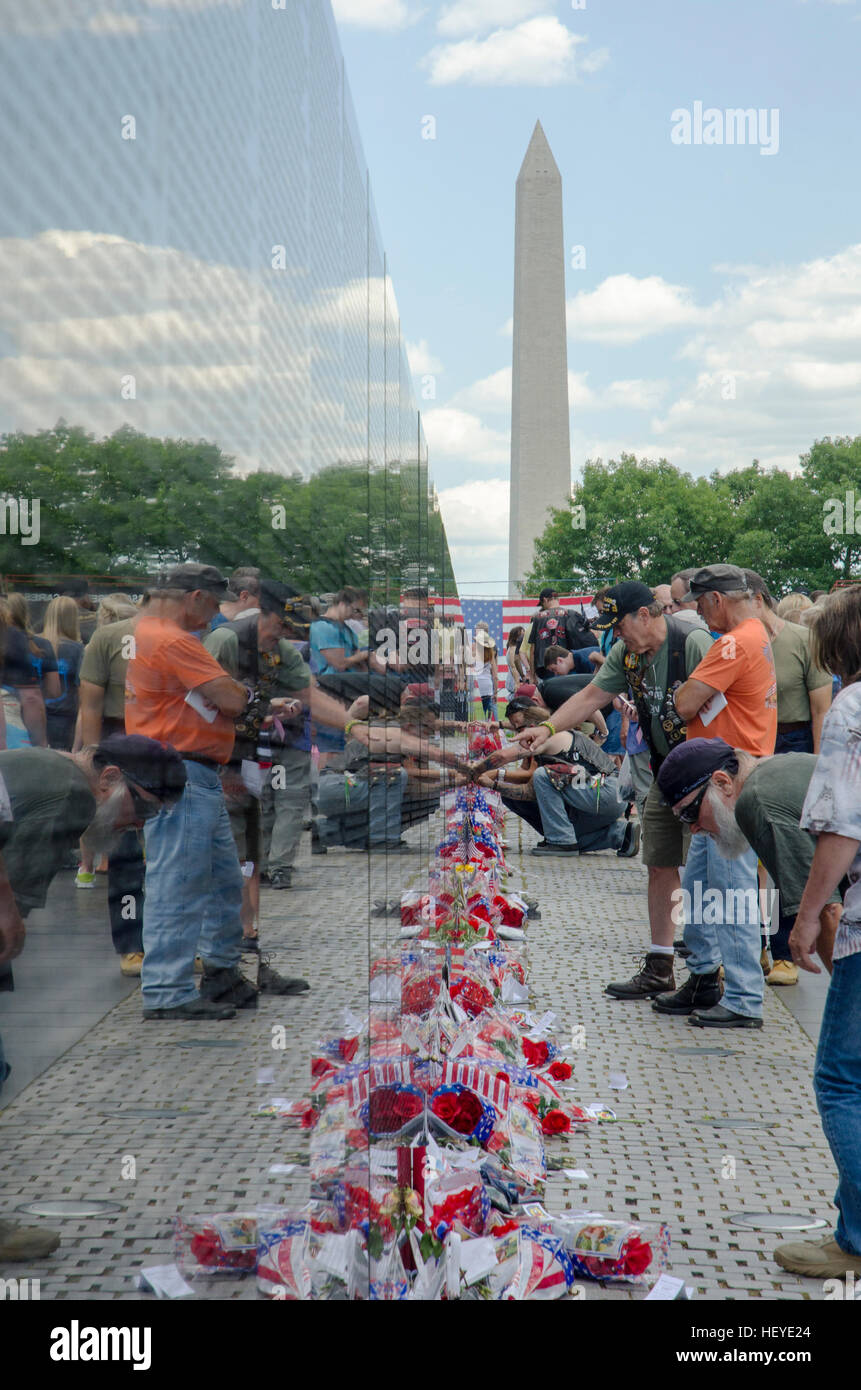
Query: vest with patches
x,y
674,727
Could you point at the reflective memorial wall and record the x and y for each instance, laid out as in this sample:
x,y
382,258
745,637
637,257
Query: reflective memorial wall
x,y
201,354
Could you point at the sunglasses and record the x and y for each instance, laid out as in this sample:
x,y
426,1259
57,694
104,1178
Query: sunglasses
x,y
690,813
145,809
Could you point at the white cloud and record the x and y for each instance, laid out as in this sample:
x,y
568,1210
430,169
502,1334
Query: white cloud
x,y
491,395
421,359
374,14
624,308
541,52
461,435
112,25
470,17
777,363
475,516
47,18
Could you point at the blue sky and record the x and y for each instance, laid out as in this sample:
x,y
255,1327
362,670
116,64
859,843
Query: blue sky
x,y
718,315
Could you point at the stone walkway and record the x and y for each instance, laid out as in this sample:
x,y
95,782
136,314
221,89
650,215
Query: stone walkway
x,y
180,1099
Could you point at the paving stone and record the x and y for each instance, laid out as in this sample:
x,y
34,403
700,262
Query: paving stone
x,y
70,1130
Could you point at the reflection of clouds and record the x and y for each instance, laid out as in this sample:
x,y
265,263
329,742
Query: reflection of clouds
x,y
48,18
215,352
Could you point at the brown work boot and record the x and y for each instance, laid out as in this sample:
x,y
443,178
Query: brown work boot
x,y
817,1259
25,1242
654,977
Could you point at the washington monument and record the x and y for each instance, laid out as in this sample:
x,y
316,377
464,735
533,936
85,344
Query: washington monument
x,y
540,436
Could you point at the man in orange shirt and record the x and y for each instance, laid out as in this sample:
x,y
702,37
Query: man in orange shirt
x,y
732,695
177,693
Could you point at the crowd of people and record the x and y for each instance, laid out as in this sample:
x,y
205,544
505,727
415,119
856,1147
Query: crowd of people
x,y
183,743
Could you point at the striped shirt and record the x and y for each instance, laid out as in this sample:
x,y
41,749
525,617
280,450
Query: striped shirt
x,y
833,802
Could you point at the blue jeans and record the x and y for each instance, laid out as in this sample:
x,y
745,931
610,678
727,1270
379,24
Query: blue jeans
x,y
378,804
731,935
193,891
596,824
795,741
837,1082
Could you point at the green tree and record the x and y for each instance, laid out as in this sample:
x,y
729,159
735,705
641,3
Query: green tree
x,y
640,518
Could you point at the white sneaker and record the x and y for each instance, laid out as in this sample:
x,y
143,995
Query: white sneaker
x,y
85,880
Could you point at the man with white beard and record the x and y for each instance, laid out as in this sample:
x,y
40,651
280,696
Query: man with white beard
x,y
48,802
744,802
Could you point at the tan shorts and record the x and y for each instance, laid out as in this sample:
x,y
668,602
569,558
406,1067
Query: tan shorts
x,y
665,838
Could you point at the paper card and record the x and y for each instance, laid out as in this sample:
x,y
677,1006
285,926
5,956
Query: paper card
x,y
477,1258
201,706
265,1076
668,1287
618,1081
577,1174
247,868
253,777
712,708
165,1281
282,1168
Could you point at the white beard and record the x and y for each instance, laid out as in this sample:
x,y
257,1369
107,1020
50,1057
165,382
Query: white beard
x,y
101,835
730,842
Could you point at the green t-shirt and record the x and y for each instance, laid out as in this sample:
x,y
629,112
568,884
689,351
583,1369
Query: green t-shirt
x,y
289,675
52,805
612,675
795,672
105,664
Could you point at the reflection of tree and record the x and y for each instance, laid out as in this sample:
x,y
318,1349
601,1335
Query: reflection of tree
x,y
130,503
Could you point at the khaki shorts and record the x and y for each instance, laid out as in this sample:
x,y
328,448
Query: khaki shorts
x,y
665,838
244,814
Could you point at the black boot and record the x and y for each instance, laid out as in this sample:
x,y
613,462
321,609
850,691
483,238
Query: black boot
x,y
698,992
655,976
270,982
227,986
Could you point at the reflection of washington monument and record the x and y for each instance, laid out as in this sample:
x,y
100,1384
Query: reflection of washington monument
x,y
540,437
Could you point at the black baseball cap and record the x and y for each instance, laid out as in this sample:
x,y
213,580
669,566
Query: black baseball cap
x,y
157,767
720,579
294,609
628,597
194,576
689,765
548,593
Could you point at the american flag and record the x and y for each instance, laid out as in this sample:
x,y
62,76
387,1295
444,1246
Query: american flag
x,y
502,614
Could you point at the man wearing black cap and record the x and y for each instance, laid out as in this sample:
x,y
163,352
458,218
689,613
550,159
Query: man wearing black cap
x,y
732,696
269,737
655,655
48,801
741,802
177,692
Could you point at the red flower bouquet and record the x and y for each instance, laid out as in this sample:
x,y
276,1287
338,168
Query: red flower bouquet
x,y
537,1054
460,1110
390,1108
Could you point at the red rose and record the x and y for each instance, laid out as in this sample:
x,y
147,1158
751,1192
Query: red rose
x,y
536,1053
309,1117
389,1110
205,1247
636,1257
496,1142
320,1066
460,1110
357,1139
555,1122
560,1071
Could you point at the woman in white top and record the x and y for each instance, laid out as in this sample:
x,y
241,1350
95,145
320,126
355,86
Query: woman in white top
x,y
486,673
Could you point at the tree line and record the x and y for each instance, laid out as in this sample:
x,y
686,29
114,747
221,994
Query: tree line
x,y
647,519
